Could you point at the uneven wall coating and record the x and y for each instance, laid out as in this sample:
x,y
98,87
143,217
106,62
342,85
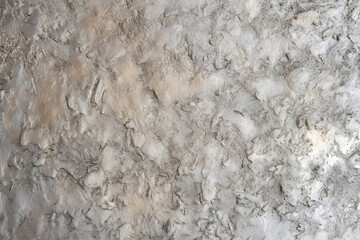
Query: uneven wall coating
x,y
179,119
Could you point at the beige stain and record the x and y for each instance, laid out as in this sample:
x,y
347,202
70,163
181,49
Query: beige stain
x,y
175,82
78,70
47,109
129,73
126,104
98,23
318,139
47,103
139,205
125,95
315,137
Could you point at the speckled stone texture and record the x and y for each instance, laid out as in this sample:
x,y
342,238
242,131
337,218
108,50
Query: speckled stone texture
x,y
179,119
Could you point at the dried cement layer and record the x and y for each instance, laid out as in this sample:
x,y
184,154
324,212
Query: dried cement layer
x,y
179,119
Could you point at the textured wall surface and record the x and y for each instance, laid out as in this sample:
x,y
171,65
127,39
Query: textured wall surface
x,y
179,119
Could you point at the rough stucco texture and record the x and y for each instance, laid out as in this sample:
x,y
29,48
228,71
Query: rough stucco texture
x,y
179,119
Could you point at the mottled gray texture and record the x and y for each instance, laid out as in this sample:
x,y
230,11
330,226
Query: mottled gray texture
x,y
179,119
